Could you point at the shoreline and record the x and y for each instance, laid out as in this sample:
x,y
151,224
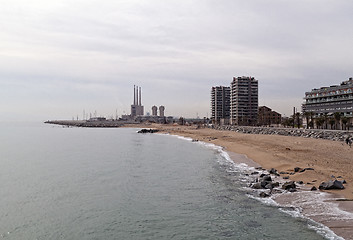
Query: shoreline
x,y
267,155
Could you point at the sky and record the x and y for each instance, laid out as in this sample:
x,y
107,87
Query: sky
x,y
60,58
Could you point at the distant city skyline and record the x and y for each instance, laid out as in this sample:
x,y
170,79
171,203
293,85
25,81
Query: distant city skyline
x,y
61,58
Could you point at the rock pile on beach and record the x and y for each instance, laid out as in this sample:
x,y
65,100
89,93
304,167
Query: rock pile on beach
x,y
264,181
307,133
151,130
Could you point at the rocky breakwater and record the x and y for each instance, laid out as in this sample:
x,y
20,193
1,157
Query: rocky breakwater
x,y
270,181
307,133
92,124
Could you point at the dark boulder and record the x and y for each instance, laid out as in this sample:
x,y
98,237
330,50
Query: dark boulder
x,y
313,188
267,178
273,171
331,185
309,168
263,195
289,185
256,185
297,169
265,183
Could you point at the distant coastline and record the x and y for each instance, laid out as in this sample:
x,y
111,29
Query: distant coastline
x,y
92,124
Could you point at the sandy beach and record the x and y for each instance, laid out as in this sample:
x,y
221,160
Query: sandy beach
x,y
329,159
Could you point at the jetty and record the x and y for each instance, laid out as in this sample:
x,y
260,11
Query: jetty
x,y
93,124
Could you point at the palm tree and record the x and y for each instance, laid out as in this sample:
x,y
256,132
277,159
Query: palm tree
x,y
337,116
319,121
344,122
325,119
332,122
306,115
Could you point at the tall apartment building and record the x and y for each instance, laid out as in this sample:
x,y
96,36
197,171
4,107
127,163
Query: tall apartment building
x,y
329,100
220,104
244,101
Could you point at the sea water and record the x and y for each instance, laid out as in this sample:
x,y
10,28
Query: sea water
x,y
93,183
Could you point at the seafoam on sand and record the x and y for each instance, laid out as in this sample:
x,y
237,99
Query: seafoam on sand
x,y
319,208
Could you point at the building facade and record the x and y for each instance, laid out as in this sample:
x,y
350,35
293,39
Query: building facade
x,y
220,104
244,101
268,117
330,100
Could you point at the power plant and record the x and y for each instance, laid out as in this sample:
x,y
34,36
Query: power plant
x,y
137,108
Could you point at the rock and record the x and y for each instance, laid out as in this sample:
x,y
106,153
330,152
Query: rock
x,y
287,177
292,190
267,178
273,171
302,170
331,185
254,173
309,168
313,188
256,185
300,182
144,130
297,169
284,173
264,183
289,185
275,184
263,195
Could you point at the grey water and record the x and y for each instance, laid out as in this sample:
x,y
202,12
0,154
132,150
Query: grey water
x,y
91,183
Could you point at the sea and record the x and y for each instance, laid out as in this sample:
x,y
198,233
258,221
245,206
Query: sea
x,y
97,183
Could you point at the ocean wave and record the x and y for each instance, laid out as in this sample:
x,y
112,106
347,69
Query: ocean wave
x,y
296,206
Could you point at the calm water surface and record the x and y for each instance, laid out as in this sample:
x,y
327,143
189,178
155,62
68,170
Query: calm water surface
x,y
76,183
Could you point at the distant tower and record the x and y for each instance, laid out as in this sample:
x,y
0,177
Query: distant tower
x,y
136,107
154,111
161,111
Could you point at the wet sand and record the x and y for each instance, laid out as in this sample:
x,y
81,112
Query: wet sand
x,y
329,160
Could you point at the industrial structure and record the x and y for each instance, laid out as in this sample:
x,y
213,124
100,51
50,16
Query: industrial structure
x,y
154,111
220,105
137,108
244,101
161,111
268,117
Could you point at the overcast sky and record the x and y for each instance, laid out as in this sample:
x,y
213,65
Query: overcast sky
x,y
58,58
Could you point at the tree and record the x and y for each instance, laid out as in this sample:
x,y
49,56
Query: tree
x,y
332,122
319,122
344,122
325,119
307,116
337,117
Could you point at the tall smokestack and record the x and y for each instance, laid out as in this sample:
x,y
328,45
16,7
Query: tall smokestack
x,y
137,95
134,96
140,97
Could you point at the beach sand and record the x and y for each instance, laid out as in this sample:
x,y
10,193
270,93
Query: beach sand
x,y
329,159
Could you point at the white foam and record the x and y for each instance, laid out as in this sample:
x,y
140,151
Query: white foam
x,y
295,208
